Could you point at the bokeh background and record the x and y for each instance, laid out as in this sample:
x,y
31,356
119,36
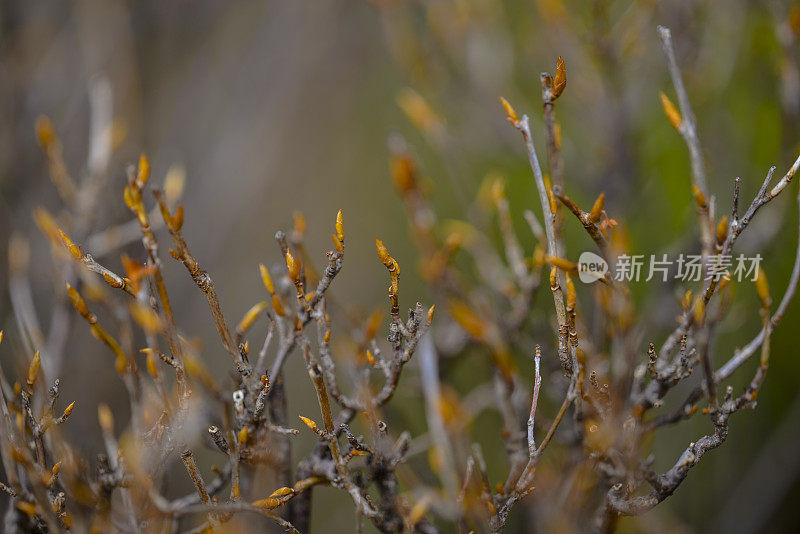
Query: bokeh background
x,y
273,107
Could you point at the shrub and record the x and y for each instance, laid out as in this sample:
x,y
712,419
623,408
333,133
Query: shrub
x,y
611,394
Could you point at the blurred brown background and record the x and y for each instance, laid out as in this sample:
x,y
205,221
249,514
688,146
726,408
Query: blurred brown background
x,y
273,107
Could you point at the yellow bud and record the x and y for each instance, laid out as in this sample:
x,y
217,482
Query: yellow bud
x,y
687,300
277,306
510,113
27,508
121,364
430,313
571,294
498,190
597,208
281,492
144,171
561,263
251,316
77,301
370,358
68,409
266,279
309,423
762,288
383,254
550,196
468,319
293,266
177,219
267,503
45,132
699,197
560,80
174,183
73,249
722,229
33,369
340,228
150,362
105,417
337,244
404,173
145,317
57,467
243,435
418,111
300,225
699,310
673,116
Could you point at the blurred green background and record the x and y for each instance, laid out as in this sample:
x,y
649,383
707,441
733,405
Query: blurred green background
x,y
276,106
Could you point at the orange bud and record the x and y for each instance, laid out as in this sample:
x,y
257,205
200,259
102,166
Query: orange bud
x,y
309,423
33,369
560,80
269,504
77,301
430,313
699,310
340,227
45,132
150,362
121,364
277,306
293,266
266,279
512,116
300,225
251,316
177,219
550,196
383,254
561,263
144,171
73,249
468,319
404,173
762,288
281,492
338,245
68,409
699,197
418,111
27,508
672,113
243,435
597,208
571,294
45,221
105,417
722,229
145,317
687,300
